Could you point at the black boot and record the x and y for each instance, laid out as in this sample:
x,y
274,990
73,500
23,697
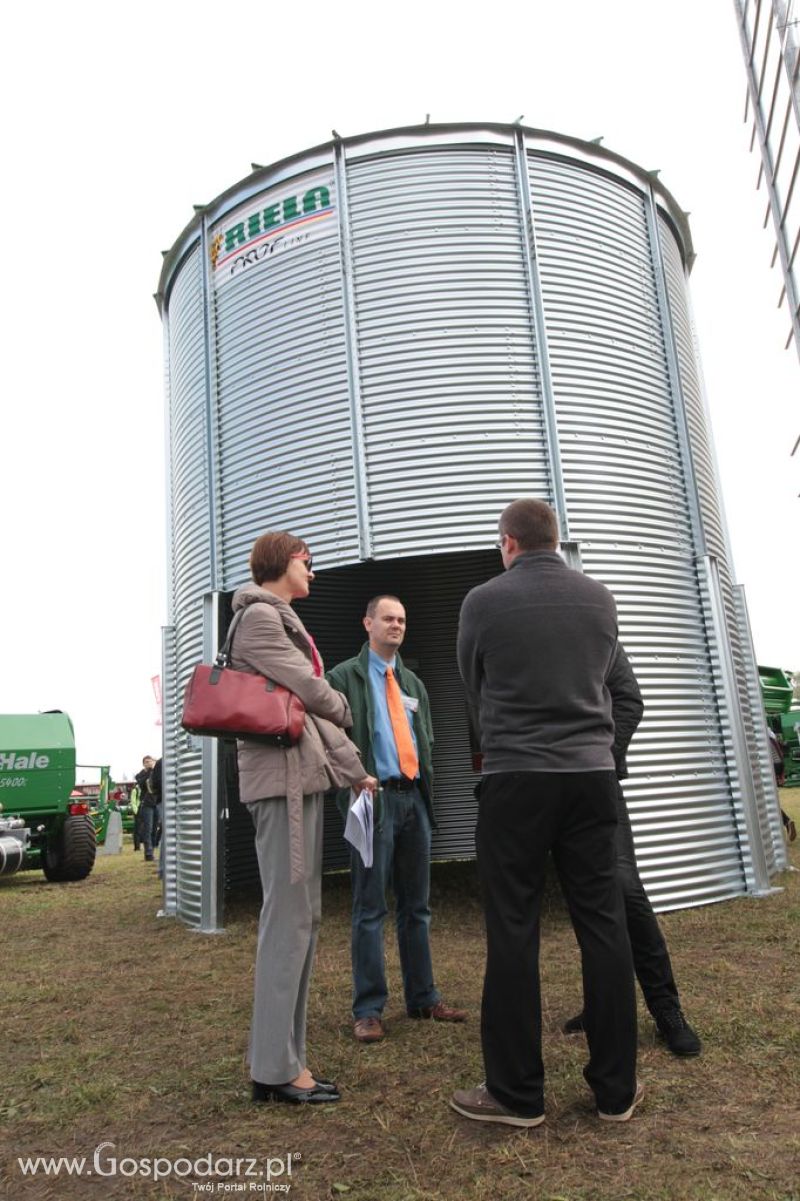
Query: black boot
x,y
676,1032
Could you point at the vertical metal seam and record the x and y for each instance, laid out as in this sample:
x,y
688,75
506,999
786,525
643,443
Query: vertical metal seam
x,y
169,471
211,879
690,489
539,330
169,847
190,414
749,664
169,666
673,371
757,861
211,431
706,414
760,730
351,352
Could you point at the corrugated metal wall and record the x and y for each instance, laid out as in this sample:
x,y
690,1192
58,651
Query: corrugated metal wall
x,y
172,735
285,435
449,319
760,776
446,355
769,818
191,566
627,496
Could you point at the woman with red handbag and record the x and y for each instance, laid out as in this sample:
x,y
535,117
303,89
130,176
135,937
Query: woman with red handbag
x,y
284,787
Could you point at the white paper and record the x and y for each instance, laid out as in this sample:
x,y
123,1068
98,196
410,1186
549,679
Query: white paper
x,y
359,824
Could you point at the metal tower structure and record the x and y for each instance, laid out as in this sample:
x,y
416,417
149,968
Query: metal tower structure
x,y
768,31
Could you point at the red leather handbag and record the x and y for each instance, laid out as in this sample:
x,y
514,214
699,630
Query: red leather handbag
x,y
221,702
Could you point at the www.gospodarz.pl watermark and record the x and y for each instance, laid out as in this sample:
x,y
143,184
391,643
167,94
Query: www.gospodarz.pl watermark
x,y
208,1173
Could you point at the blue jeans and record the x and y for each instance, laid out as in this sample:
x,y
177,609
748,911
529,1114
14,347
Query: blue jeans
x,y
149,819
402,856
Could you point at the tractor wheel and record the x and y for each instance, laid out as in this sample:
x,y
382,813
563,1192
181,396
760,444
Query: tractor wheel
x,y
71,855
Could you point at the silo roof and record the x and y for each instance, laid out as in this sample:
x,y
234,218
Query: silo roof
x,y
547,141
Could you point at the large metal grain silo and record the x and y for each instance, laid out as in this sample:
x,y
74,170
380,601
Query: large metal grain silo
x,y
378,344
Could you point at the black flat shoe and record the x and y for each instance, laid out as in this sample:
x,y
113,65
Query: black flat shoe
x,y
328,1085
321,1093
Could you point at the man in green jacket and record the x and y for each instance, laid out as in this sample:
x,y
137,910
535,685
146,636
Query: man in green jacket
x,y
392,729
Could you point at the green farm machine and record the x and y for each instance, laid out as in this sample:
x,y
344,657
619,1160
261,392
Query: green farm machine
x,y
783,717
105,798
42,825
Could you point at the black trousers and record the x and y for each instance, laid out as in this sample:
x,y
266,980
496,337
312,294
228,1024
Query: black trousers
x,y
651,960
522,817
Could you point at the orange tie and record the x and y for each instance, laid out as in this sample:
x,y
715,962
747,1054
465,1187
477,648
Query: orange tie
x,y
401,728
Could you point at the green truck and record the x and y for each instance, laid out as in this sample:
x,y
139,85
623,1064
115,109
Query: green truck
x,y
41,824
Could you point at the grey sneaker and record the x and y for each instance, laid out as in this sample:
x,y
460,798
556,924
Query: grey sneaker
x,y
626,1114
479,1104
677,1033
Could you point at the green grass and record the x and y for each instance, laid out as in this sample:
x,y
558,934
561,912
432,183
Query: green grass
x,y
125,1027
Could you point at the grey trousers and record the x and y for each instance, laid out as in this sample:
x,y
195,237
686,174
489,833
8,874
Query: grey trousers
x,y
287,938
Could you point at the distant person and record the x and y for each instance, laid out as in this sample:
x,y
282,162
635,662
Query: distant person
x,y
155,785
158,828
651,959
392,729
136,810
535,647
148,805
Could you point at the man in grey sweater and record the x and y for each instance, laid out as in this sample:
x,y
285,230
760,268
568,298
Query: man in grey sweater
x,y
535,647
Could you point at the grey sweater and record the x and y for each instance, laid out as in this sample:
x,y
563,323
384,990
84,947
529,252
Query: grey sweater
x,y
535,646
627,708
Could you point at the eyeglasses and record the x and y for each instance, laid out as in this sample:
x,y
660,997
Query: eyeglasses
x,y
499,544
307,559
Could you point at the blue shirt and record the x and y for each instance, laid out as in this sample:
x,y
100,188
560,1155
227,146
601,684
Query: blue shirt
x,y
387,763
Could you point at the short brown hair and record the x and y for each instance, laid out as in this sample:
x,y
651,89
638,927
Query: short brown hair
x,y
271,553
372,605
532,522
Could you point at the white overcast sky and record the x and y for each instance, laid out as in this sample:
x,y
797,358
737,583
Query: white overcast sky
x,y
119,118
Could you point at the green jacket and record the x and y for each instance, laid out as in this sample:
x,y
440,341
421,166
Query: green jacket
x,y
352,678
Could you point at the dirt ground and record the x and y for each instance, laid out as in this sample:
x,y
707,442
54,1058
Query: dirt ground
x,y
124,1035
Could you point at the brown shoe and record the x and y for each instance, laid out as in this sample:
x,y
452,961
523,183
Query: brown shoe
x,y
479,1104
440,1013
368,1030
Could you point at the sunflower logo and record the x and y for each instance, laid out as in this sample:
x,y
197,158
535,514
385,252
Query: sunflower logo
x,y
216,246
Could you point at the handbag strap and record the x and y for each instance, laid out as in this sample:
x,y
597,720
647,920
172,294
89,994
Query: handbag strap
x,y
225,652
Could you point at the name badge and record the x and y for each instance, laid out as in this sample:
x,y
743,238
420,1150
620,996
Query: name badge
x,y
411,703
